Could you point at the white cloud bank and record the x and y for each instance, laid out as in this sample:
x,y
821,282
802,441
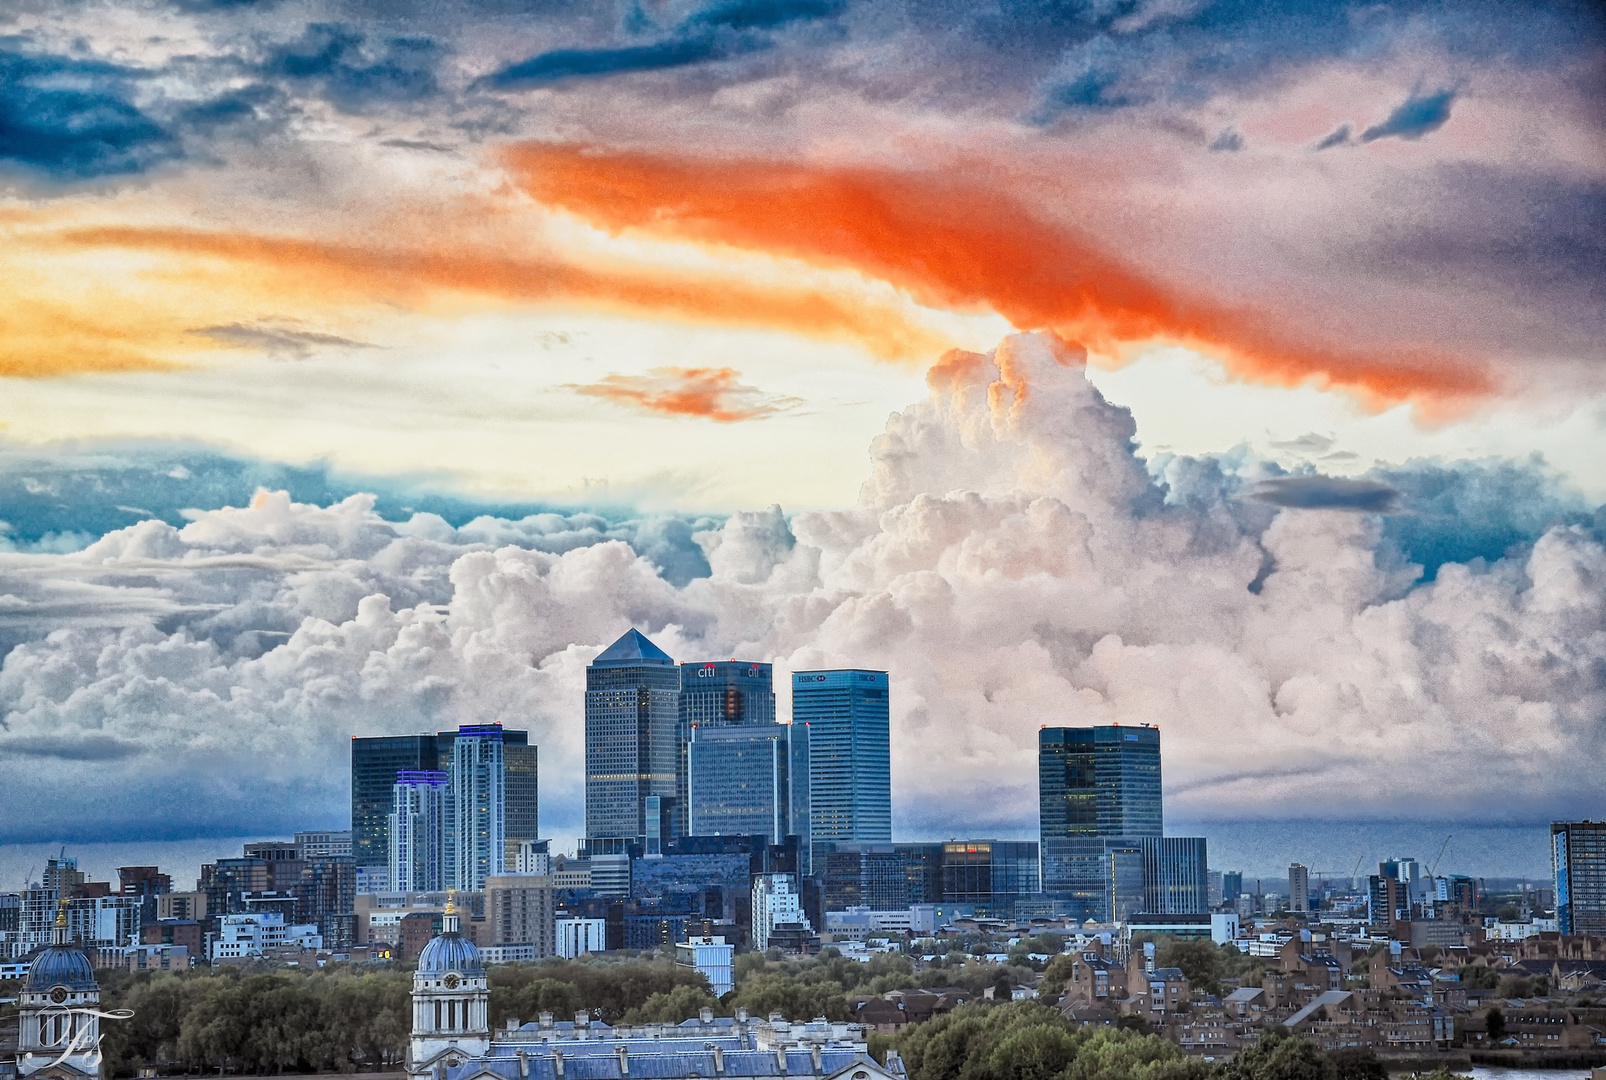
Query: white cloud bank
x,y
1010,562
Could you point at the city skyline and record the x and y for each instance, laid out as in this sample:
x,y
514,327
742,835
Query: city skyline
x,y
1230,369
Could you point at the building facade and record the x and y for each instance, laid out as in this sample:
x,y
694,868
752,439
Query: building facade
x,y
1578,866
847,713
418,831
739,781
477,824
1298,887
632,712
521,911
374,764
729,693
776,903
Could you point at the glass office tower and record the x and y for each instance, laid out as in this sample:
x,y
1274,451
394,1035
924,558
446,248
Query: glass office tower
x,y
632,709
1578,863
850,770
374,765
717,694
738,781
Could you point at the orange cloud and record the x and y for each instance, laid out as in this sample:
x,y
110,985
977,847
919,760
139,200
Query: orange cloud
x,y
160,292
956,243
713,393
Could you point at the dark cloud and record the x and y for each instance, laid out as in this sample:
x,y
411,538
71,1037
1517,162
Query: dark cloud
x,y
1228,140
764,14
1339,137
278,340
1462,511
1418,115
1308,443
352,72
716,32
74,119
1327,493
563,64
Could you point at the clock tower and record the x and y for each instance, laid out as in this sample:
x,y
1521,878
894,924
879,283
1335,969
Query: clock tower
x,y
451,1001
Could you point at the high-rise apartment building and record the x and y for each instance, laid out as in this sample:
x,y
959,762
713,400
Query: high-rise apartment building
x,y
1578,866
632,711
850,774
1298,888
375,763
776,903
717,694
418,832
521,911
739,780
477,823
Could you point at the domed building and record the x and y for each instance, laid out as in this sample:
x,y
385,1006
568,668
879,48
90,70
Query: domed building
x,y
58,1033
451,1002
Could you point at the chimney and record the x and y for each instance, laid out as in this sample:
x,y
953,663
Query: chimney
x,y
514,1024
582,1019
780,1060
706,1015
814,1055
524,1065
624,1060
741,1016
719,1061
546,1020
557,1063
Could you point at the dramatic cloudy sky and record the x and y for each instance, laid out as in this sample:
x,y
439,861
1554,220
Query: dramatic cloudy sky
x,y
1236,367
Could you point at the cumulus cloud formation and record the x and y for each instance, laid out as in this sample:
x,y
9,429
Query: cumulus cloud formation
x,y
716,394
1010,561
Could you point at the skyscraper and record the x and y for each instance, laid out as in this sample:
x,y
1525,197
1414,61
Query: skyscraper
x,y
523,804
850,771
738,781
1578,863
1298,888
418,832
374,765
477,822
717,694
632,711
1094,784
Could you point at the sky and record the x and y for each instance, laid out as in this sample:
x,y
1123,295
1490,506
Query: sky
x,y
1232,367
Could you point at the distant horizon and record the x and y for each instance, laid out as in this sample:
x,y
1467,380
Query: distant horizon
x,y
1521,850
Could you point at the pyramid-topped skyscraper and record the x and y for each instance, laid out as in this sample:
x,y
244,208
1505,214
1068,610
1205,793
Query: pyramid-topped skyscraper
x,y
632,704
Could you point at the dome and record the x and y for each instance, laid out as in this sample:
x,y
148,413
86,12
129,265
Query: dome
x,y
450,952
61,965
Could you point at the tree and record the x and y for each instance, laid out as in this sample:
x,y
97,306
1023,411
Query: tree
x,y
1278,1056
675,1005
1057,974
1003,989
1200,961
1495,1023
1357,1065
1478,976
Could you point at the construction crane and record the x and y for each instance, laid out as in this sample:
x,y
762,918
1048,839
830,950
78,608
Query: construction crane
x,y
1433,871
